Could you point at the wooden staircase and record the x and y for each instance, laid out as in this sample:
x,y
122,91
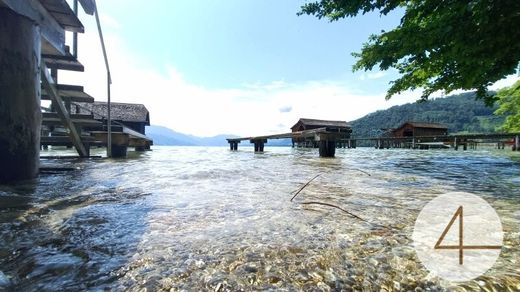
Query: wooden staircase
x,y
66,122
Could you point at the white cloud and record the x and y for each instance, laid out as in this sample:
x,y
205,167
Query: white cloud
x,y
508,81
373,75
376,75
252,109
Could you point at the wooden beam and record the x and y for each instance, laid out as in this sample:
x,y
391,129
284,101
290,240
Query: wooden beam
x,y
63,14
48,84
53,35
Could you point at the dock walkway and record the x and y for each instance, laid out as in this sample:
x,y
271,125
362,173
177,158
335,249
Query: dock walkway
x,y
327,139
451,141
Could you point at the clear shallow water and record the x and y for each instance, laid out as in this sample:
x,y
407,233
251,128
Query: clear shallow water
x,y
189,218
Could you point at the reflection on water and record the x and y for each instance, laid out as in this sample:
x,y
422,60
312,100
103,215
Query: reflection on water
x,y
206,218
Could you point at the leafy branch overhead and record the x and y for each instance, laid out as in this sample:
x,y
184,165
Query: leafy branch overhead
x,y
439,44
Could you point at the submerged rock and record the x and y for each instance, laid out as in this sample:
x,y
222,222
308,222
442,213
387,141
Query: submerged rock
x,y
4,280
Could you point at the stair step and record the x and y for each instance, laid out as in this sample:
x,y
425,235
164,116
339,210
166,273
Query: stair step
x,y
72,93
104,128
64,15
67,62
47,115
50,121
65,140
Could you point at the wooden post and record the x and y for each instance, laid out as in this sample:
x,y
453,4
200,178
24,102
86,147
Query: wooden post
x,y
327,144
327,148
465,145
259,144
517,143
455,145
20,113
233,145
354,143
119,151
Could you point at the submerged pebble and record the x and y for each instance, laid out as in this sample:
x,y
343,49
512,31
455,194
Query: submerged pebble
x,y
4,280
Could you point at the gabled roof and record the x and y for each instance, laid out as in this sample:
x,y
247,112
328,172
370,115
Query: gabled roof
x,y
423,125
126,112
321,123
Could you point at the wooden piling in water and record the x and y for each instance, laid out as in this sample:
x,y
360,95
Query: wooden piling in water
x,y
259,144
327,148
20,113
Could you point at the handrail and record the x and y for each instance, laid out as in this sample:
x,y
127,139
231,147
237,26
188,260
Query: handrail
x,y
109,82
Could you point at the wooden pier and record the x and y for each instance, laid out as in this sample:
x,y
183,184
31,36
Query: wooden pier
x,y
326,139
454,141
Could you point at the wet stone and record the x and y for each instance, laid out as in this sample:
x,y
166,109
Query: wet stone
x,y
4,280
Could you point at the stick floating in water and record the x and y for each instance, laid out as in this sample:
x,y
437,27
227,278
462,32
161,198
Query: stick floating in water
x,y
304,186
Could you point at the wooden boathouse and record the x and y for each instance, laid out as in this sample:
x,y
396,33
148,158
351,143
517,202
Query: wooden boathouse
x,y
312,124
128,126
413,129
326,135
132,115
32,53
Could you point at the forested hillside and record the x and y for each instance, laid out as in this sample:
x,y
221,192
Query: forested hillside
x,y
461,113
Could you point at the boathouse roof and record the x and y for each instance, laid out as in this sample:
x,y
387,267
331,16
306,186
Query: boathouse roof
x,y
126,112
321,123
423,125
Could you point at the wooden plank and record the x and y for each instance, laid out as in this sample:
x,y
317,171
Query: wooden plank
x,y
63,14
67,62
73,93
77,122
72,116
62,112
65,140
53,35
135,134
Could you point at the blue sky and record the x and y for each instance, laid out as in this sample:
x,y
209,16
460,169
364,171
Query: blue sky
x,y
225,43
234,66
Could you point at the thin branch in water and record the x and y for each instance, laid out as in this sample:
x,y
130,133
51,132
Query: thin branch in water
x,y
360,170
304,186
337,207
345,211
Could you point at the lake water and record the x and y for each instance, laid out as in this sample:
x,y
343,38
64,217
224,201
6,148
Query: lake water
x,y
195,218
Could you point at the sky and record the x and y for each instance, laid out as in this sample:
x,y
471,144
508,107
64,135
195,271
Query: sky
x,y
242,67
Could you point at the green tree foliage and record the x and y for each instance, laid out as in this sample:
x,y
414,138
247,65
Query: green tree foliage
x,y
460,113
509,106
440,44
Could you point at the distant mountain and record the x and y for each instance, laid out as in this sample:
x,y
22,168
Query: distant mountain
x,y
166,136
460,113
